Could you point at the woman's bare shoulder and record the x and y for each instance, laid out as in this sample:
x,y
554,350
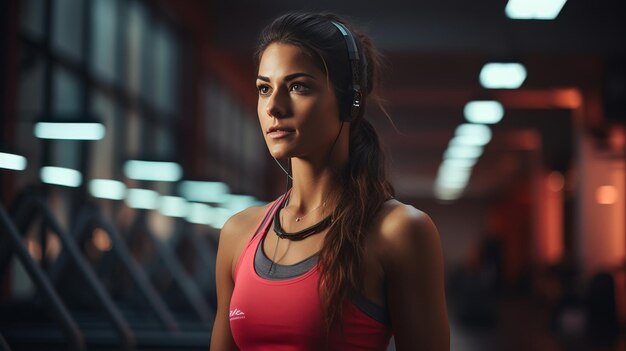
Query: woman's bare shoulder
x,y
405,231
235,234
412,261
240,225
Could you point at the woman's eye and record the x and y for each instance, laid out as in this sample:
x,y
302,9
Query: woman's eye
x,y
297,87
263,89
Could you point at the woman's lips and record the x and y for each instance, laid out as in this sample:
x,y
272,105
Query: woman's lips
x,y
278,134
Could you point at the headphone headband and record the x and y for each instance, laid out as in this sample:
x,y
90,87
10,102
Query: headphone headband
x,y
353,110
353,51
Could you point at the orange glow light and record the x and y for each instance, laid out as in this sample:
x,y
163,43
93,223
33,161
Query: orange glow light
x,y
606,195
34,249
101,240
556,181
568,97
54,246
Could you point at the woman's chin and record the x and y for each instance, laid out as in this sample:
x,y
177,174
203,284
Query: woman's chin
x,y
280,152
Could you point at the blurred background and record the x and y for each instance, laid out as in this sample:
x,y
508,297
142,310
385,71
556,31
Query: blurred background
x,y
129,135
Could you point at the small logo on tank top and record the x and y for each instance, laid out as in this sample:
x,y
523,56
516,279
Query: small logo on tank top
x,y
236,314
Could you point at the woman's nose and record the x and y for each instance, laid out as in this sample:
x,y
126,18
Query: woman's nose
x,y
277,105
273,111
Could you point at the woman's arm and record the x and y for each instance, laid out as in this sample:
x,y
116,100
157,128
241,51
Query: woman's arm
x,y
413,262
221,337
233,238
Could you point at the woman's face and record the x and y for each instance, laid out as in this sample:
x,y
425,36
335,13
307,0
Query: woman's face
x,y
297,106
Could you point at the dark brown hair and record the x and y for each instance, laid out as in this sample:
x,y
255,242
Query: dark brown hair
x,y
364,181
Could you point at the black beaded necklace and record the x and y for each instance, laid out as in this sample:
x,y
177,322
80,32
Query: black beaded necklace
x,y
304,233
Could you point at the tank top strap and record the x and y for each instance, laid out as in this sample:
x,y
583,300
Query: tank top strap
x,y
267,218
260,228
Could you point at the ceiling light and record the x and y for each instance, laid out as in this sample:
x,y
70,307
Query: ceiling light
x,y
107,189
453,173
457,179
220,216
471,134
452,178
442,193
173,206
463,151
459,162
534,9
471,140
236,203
200,214
485,111
69,131
203,191
152,170
61,176
12,161
142,199
502,75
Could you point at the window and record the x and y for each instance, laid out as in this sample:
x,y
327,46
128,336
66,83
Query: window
x,y
104,39
103,152
66,94
166,93
67,29
126,76
31,17
134,46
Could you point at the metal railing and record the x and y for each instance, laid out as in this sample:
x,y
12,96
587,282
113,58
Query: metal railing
x,y
75,337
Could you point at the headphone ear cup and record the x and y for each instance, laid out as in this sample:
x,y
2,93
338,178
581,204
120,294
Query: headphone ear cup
x,y
351,108
357,104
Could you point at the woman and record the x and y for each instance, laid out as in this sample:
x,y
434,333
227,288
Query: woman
x,y
336,263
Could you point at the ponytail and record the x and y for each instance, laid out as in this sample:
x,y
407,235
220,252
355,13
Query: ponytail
x,y
366,188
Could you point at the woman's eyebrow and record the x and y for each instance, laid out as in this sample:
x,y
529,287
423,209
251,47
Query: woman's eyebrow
x,y
287,78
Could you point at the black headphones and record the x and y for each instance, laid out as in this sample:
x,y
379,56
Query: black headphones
x,y
351,109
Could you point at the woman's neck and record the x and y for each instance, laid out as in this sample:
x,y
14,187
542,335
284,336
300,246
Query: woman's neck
x,y
314,184
317,180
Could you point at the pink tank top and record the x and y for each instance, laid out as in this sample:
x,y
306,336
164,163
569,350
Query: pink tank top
x,y
285,315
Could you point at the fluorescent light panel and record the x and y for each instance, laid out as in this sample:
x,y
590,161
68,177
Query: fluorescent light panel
x,y
534,9
61,176
208,215
471,134
448,172
502,75
459,162
454,179
484,111
447,194
220,216
107,189
173,206
236,203
464,151
200,214
454,184
204,191
153,171
69,131
142,199
12,161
